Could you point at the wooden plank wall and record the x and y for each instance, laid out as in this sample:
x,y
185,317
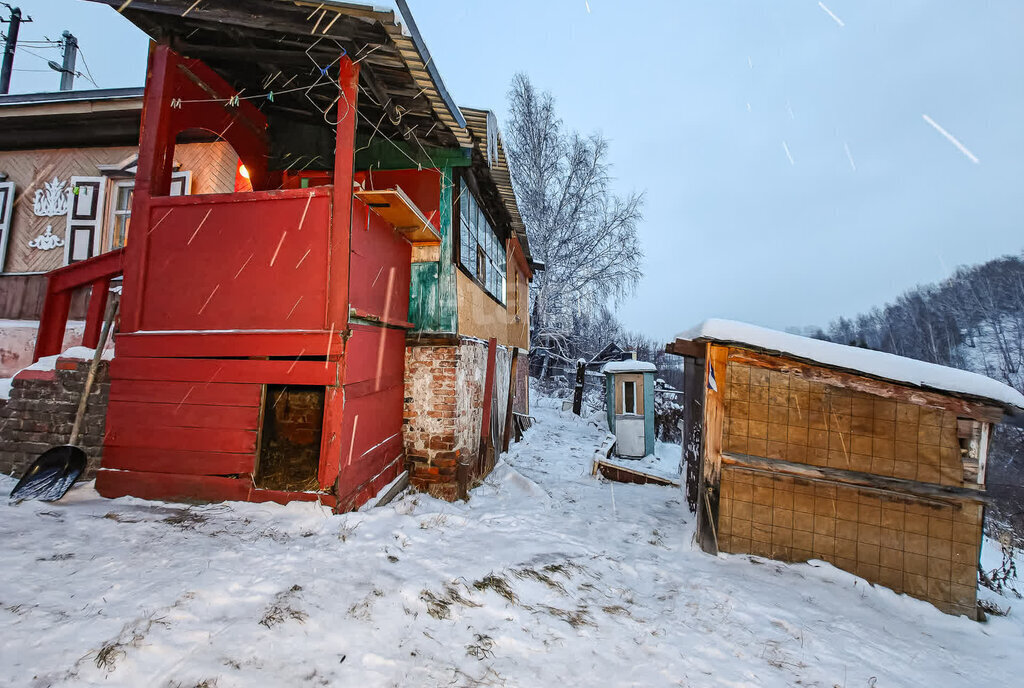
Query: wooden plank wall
x,y
22,297
371,430
267,250
188,428
926,547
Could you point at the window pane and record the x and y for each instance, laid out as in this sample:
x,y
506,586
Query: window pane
x,y
629,397
124,197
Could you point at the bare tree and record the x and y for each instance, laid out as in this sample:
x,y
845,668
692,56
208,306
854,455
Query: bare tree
x,y
585,234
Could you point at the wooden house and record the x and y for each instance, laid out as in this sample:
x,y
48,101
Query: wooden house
x,y
353,311
813,450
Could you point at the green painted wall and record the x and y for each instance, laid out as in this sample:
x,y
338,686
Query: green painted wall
x,y
433,301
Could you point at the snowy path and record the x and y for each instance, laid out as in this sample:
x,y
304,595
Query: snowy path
x,y
545,577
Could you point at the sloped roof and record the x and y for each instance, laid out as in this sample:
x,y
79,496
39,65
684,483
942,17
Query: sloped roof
x,y
479,122
876,364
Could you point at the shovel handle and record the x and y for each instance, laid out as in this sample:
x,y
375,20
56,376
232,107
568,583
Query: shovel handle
x,y
93,367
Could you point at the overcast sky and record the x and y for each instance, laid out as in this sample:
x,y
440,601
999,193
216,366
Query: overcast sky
x,y
790,173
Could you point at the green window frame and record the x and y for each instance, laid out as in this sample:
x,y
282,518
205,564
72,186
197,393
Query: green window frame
x,y
481,252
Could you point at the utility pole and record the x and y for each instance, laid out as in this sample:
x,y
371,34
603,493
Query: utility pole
x,y
10,46
67,72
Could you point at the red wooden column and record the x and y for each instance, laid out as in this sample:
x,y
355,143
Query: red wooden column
x,y
52,322
153,178
338,279
97,307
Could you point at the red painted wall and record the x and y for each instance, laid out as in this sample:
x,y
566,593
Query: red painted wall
x,y
237,262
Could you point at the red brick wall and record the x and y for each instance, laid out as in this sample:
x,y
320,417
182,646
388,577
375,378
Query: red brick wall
x,y
429,417
444,391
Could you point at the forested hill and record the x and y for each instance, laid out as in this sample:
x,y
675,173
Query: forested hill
x,y
973,320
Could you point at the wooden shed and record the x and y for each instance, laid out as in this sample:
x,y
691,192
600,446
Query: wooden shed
x,y
813,450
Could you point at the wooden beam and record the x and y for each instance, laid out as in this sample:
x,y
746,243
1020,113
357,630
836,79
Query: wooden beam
x,y
711,462
945,494
505,439
683,347
861,383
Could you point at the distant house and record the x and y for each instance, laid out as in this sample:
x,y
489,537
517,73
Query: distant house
x,y
610,353
873,462
325,277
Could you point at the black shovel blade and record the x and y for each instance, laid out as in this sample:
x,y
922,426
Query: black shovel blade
x,y
52,474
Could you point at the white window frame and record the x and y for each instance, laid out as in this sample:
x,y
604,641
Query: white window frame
x,y
625,410
114,212
6,219
183,179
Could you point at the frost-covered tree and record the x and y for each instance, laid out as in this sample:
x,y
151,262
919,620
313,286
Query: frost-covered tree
x,y
583,232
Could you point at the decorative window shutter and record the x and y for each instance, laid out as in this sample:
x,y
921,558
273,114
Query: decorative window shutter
x,y
6,215
85,215
181,183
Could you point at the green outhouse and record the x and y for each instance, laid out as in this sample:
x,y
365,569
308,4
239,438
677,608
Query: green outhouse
x,y
629,390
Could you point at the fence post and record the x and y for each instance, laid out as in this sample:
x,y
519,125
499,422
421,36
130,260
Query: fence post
x,y
577,399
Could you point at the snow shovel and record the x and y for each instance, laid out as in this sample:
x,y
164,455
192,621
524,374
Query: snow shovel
x,y
57,469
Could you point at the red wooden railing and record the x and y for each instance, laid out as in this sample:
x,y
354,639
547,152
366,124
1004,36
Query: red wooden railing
x,y
61,284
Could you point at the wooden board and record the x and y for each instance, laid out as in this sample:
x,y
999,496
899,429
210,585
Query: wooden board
x,y
396,208
225,371
183,415
211,344
942,493
883,388
154,436
177,461
711,464
217,394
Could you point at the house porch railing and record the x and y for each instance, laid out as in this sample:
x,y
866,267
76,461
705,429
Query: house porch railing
x,y
61,284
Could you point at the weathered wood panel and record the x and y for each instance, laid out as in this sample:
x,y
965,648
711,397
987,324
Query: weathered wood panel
x,y
22,298
711,463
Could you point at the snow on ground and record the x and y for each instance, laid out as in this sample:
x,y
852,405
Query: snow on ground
x,y
545,577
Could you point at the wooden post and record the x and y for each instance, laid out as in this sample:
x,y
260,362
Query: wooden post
x,y
577,397
153,178
693,417
337,286
97,307
52,323
505,439
485,423
711,460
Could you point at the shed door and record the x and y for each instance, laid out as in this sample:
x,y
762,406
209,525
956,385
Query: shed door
x,y
629,435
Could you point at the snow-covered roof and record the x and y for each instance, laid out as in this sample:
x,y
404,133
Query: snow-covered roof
x,y
873,363
628,367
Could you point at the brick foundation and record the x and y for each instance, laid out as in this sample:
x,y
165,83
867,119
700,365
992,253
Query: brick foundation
x,y
444,393
42,409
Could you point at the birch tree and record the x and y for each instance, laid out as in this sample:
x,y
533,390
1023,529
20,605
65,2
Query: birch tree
x,y
583,232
